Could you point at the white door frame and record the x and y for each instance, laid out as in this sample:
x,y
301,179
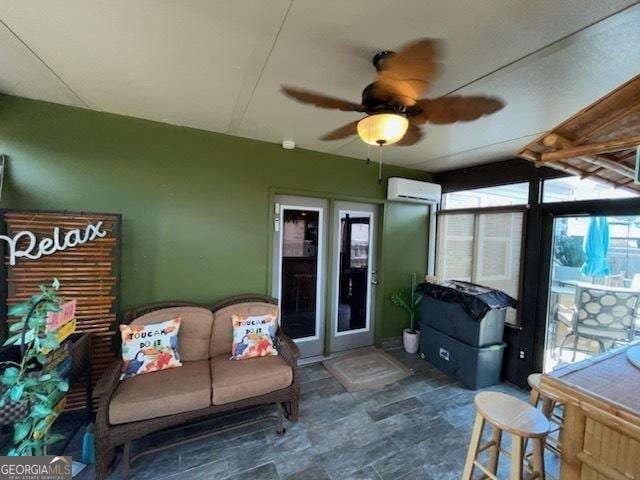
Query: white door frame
x,y
319,276
312,345
361,337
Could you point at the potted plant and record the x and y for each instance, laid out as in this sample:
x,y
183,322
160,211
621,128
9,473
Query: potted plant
x,y
24,383
409,302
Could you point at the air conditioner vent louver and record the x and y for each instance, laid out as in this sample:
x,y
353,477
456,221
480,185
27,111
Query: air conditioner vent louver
x,y
406,190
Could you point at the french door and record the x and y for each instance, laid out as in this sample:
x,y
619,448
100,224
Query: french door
x,y
303,255
354,275
300,239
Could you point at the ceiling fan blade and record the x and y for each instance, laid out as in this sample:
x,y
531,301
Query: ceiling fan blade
x,y
413,136
407,74
456,108
342,132
320,100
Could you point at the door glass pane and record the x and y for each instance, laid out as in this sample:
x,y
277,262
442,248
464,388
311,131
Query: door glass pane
x,y
353,275
299,272
594,291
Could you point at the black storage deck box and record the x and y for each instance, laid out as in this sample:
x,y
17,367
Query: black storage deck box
x,y
470,313
475,367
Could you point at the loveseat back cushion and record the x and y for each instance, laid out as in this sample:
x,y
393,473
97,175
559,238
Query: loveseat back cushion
x,y
195,329
233,381
162,393
222,335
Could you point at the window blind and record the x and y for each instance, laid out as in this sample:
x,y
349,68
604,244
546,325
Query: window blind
x,y
483,248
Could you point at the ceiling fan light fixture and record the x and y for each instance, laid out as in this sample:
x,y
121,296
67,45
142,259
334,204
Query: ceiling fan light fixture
x,y
382,128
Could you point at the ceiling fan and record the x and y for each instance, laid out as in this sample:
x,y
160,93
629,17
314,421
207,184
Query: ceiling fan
x,y
395,111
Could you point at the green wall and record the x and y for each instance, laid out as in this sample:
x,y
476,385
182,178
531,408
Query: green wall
x,y
195,204
406,237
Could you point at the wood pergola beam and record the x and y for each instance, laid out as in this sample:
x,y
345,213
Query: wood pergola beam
x,y
562,144
606,122
574,171
592,173
530,155
585,150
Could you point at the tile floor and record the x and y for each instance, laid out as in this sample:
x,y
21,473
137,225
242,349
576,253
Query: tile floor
x,y
417,428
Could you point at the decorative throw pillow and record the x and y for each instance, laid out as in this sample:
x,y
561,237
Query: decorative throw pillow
x,y
253,336
149,348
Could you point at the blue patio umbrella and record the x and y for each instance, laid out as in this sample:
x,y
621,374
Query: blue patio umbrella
x,y
596,247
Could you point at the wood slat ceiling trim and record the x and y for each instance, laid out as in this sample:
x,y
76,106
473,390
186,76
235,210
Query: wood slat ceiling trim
x,y
614,117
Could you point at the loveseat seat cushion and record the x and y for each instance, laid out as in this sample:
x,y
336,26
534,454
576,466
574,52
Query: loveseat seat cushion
x,y
166,392
222,334
234,380
195,329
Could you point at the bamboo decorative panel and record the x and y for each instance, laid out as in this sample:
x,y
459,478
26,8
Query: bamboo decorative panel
x,y
88,272
610,450
601,433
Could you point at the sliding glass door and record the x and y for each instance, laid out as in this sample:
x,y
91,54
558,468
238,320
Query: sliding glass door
x,y
594,287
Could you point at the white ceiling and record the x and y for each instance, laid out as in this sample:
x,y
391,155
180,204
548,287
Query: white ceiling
x,y
218,65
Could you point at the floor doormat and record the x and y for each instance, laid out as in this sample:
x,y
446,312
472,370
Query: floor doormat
x,y
365,369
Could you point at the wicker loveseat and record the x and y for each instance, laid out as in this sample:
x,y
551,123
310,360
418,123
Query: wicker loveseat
x,y
206,384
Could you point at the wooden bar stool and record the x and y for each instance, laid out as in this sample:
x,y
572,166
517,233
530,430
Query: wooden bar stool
x,y
511,415
549,404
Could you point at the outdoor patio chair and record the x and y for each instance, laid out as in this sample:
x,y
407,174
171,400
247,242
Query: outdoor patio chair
x,y
604,314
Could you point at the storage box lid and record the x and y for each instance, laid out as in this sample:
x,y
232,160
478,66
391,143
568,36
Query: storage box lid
x,y
476,300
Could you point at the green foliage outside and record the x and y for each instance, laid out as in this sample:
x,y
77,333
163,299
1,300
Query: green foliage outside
x,y
22,382
568,251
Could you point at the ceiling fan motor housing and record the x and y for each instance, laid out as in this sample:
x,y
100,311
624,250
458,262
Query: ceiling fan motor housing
x,y
375,103
371,100
379,58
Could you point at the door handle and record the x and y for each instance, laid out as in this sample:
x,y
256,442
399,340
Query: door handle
x,y
374,278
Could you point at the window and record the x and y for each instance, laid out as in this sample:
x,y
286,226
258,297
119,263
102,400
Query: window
x,y
483,248
571,189
504,195
357,236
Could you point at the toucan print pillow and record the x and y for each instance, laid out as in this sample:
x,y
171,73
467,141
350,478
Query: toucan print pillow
x,y
253,336
149,348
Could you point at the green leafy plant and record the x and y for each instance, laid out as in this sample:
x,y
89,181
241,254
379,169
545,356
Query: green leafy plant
x,y
568,251
23,382
409,302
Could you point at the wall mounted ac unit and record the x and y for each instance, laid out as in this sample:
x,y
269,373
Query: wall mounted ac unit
x,y
405,190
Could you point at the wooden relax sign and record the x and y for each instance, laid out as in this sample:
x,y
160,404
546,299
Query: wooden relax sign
x,y
50,245
81,250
